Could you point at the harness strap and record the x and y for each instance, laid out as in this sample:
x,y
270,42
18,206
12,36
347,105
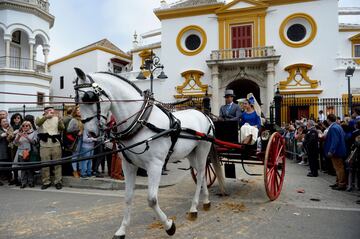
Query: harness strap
x,y
175,126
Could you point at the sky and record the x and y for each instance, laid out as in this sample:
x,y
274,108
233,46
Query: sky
x,y
81,22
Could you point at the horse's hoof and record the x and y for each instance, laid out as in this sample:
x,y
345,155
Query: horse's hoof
x,y
192,216
207,206
172,229
119,237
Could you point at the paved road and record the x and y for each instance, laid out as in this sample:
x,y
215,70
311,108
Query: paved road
x,y
246,213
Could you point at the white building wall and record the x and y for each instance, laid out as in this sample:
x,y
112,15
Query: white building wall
x,y
33,22
345,46
87,62
20,84
175,62
103,58
321,52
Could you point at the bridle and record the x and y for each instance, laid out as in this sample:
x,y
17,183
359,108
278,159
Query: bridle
x,y
91,97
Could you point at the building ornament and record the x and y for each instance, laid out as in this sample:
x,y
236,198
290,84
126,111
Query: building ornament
x,y
298,78
192,85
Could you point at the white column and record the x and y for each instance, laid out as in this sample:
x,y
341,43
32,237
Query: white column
x,y
31,63
215,89
7,39
46,54
270,85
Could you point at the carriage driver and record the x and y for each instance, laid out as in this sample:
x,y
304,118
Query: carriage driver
x,y
230,111
50,126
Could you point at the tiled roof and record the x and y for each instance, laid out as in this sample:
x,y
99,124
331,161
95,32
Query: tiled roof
x,y
193,3
103,43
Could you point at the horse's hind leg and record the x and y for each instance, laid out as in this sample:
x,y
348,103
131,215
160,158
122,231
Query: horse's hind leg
x,y
154,176
206,201
130,177
199,157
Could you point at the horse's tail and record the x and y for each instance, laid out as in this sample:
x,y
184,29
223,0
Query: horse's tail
x,y
214,159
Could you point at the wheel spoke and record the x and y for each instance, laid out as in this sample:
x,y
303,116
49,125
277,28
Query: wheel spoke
x,y
279,152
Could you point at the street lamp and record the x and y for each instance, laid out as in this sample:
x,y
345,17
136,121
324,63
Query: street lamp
x,y
152,64
349,73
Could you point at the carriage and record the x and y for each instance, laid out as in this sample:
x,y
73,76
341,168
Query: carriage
x,y
270,152
149,136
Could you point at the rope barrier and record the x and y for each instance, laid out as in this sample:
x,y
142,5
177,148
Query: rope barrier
x,y
27,94
69,159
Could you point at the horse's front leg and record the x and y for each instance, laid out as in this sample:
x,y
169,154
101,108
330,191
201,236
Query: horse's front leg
x,y
154,176
130,177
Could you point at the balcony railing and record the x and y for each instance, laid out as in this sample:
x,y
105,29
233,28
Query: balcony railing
x,y
344,62
22,64
243,53
41,4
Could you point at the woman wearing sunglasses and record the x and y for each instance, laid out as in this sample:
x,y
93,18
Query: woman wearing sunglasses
x,y
24,141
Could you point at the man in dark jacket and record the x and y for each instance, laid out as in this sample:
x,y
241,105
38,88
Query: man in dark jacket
x,y
230,111
335,149
311,144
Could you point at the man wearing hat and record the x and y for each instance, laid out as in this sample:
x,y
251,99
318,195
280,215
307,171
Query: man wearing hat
x,y
50,126
230,111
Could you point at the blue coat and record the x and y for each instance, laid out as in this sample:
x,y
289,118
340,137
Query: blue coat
x,y
335,141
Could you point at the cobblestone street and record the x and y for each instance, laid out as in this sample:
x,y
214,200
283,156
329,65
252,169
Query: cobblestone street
x,y
246,213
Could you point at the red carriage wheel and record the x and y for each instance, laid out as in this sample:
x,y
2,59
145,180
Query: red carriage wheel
x,y
274,166
210,175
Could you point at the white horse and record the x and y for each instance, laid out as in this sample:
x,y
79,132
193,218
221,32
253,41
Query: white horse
x,y
112,87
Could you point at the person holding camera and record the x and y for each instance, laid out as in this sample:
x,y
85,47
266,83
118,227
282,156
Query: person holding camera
x,y
50,126
24,141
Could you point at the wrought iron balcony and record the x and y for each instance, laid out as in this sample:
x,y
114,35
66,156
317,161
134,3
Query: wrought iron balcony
x,y
41,4
17,63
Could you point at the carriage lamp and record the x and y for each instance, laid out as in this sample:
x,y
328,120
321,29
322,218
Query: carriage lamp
x,y
349,73
150,65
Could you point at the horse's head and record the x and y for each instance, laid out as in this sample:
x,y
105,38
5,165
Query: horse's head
x,y
90,96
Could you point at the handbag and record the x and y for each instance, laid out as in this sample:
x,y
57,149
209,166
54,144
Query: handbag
x,y
26,155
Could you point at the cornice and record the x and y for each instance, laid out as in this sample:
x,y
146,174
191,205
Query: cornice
x,y
187,11
26,74
78,53
28,8
285,2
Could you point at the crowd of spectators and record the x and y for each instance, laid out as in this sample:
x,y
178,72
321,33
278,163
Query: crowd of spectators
x,y
52,137
329,144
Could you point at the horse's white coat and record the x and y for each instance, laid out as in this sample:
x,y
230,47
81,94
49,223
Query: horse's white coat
x,y
153,159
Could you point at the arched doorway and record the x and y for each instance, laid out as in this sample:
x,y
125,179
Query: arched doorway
x,y
243,87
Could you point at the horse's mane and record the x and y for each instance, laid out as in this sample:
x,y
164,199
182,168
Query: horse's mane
x,y
124,79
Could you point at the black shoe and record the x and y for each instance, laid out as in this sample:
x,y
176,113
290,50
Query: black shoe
x,y
17,184
333,185
45,186
58,186
339,188
31,185
311,175
23,185
99,175
1,184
